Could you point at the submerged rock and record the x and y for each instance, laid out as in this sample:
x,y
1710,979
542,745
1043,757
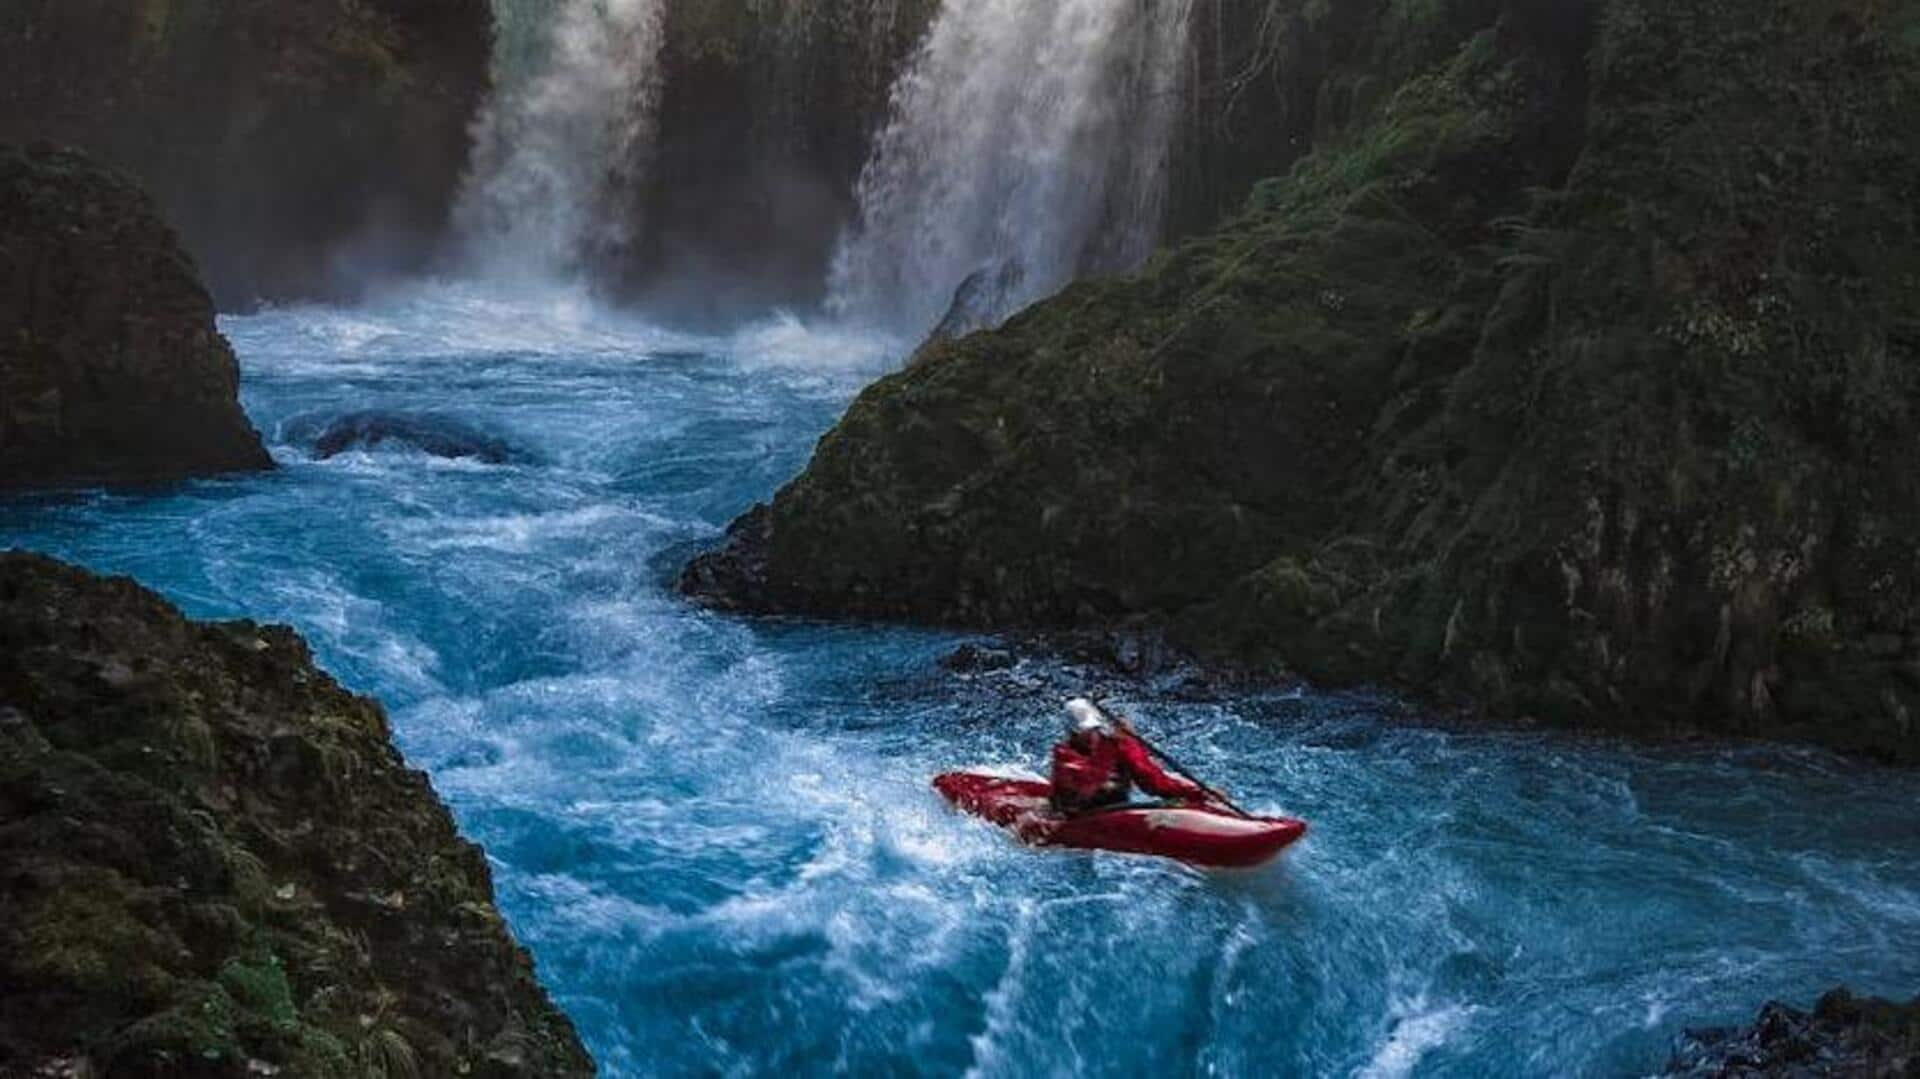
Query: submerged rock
x,y
1843,1035
1574,372
435,435
971,658
111,370
213,862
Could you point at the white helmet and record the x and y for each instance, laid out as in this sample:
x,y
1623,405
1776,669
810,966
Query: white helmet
x,y
1085,717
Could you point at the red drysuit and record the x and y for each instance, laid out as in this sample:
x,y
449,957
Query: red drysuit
x,y
1103,773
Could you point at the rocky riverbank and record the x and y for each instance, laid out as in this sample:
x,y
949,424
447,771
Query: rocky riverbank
x,y
1571,374
215,863
1843,1035
111,369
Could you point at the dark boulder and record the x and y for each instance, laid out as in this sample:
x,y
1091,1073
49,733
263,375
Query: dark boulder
x,y
429,433
733,576
214,862
111,370
973,658
1843,1035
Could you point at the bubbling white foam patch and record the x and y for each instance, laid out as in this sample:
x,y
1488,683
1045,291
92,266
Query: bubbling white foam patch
x,y
1419,1030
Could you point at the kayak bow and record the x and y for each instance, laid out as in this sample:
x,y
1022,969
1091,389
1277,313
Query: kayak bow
x,y
1198,835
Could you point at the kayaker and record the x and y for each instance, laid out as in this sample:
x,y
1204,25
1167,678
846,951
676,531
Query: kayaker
x,y
1101,759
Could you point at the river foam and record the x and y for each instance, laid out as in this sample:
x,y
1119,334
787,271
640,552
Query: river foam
x,y
717,838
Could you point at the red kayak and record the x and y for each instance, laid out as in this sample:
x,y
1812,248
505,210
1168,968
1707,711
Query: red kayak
x,y
1198,835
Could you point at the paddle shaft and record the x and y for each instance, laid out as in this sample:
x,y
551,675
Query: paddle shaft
x,y
1190,777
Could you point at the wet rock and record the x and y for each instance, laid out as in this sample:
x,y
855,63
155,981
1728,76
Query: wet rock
x,y
977,658
1140,652
981,301
111,370
1843,1035
225,867
429,433
733,576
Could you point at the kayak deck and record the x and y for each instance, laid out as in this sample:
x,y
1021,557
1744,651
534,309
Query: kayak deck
x,y
1198,835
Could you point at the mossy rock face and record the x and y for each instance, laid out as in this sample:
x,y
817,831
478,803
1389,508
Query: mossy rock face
x,y
279,137
1571,374
214,862
111,369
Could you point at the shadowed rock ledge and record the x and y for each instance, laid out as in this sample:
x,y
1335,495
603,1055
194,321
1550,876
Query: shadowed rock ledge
x,y
213,862
1575,373
111,370
1843,1035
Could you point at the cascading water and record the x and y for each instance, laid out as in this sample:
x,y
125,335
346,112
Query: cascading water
x,y
561,149
716,835
1028,141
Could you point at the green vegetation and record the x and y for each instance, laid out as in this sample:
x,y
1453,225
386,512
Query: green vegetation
x,y
1571,373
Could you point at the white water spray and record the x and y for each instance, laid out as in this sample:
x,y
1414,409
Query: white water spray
x,y
1028,145
560,151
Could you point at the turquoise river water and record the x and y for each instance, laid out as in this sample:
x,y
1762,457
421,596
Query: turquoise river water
x,y
716,834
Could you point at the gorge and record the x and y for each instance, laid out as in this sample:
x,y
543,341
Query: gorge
x,y
1529,377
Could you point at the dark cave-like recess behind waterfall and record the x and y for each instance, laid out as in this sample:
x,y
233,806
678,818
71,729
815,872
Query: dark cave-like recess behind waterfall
x,y
307,149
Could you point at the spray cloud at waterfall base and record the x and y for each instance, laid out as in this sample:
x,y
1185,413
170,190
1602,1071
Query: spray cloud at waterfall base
x,y
1021,146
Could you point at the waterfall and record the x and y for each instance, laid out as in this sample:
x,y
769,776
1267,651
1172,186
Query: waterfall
x,y
1027,146
561,149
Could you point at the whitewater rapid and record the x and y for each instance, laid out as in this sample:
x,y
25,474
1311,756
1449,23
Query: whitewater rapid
x,y
716,834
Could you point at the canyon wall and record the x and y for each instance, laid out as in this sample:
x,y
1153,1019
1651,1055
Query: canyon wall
x,y
1571,373
300,147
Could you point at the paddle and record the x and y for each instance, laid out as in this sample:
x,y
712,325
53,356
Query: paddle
x,y
1177,767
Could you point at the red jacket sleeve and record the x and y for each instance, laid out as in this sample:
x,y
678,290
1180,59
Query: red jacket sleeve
x,y
1076,773
1150,776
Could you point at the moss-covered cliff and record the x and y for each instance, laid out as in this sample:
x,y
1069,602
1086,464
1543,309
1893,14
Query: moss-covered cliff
x,y
111,369
288,141
213,862
1572,372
